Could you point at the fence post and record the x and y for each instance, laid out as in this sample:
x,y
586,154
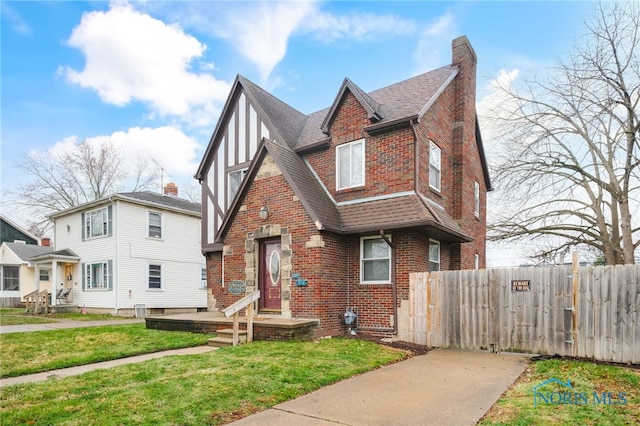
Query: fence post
x,y
574,301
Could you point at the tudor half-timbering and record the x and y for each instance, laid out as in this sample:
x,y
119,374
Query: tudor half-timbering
x,y
333,210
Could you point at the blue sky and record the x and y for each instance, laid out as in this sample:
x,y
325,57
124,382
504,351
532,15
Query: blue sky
x,y
153,76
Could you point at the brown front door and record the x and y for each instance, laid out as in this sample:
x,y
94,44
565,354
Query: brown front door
x,y
269,275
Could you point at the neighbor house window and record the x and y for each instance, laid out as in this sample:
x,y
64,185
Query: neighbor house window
x,y
434,255
97,276
96,223
476,199
10,276
235,179
44,275
155,277
435,166
350,165
203,278
155,225
375,261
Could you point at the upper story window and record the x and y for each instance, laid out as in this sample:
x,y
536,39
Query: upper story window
x,y
155,225
10,277
235,179
375,261
350,165
476,199
435,166
96,223
434,255
155,277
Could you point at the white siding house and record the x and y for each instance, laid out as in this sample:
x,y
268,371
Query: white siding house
x,y
17,272
136,248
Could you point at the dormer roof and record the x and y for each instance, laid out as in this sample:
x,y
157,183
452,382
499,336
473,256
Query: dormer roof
x,y
373,108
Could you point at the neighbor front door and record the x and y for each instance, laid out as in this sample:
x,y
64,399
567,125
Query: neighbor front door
x,y
269,275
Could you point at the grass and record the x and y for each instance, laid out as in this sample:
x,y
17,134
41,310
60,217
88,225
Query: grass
x,y
516,407
208,389
26,353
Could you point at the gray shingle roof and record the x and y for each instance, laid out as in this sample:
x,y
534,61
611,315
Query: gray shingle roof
x,y
161,200
26,251
396,103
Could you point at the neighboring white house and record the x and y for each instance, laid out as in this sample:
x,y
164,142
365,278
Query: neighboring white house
x,y
17,272
135,248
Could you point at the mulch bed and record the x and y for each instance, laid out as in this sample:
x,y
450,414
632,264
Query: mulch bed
x,y
412,349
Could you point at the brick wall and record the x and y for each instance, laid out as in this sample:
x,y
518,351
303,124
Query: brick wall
x,y
388,160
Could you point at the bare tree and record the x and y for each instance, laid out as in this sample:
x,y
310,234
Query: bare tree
x,y
86,172
570,161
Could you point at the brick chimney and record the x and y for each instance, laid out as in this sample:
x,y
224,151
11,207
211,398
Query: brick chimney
x,y
45,241
466,166
171,190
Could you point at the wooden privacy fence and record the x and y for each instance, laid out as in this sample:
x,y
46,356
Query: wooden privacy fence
x,y
591,312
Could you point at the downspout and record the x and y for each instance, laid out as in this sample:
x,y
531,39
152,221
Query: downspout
x,y
394,288
413,123
116,276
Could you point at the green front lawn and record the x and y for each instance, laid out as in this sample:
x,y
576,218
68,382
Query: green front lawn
x,y
600,395
209,389
25,353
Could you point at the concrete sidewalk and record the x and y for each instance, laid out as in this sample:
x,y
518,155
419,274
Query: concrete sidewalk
x,y
444,387
61,324
73,371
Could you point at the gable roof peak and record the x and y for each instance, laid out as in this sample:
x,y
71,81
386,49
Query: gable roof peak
x,y
373,108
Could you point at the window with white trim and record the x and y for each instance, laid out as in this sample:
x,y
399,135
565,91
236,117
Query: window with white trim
x,y
97,276
203,278
350,165
10,277
44,274
155,277
235,180
435,166
375,261
154,224
476,199
434,255
96,223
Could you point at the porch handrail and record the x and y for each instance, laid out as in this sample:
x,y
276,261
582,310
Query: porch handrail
x,y
233,309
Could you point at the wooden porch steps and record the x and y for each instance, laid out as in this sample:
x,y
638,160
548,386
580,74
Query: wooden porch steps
x,y
224,338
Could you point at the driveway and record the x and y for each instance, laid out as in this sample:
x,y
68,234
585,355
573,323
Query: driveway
x,y
444,387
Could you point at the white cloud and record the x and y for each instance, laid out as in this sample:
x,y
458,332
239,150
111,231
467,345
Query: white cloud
x,y
15,19
329,28
131,56
434,45
175,152
493,100
260,31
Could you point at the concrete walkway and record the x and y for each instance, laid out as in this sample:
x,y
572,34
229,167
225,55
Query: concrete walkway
x,y
444,387
60,324
73,371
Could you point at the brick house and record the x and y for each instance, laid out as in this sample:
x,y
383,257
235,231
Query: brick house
x,y
332,211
